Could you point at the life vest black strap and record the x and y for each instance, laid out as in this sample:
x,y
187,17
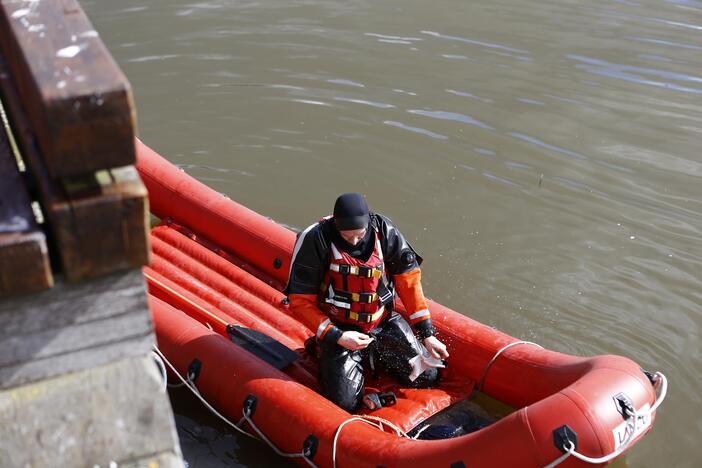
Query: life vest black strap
x,y
384,293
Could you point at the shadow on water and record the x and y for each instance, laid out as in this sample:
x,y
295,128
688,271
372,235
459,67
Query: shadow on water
x,y
207,441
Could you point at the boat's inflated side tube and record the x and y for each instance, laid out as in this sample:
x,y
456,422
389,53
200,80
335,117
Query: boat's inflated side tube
x,y
255,238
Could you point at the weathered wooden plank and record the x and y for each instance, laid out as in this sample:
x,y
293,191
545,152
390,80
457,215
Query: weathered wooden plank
x,y
99,222
73,326
103,227
24,258
78,100
24,263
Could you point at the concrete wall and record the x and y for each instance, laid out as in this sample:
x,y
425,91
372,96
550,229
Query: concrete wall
x,y
78,386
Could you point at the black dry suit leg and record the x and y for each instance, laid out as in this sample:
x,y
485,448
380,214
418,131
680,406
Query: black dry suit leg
x,y
341,375
395,344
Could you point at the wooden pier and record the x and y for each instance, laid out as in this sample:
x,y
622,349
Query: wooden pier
x,y
78,386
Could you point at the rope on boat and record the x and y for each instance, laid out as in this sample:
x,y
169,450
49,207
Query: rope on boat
x,y
195,392
174,385
272,445
374,421
479,388
162,368
631,425
191,386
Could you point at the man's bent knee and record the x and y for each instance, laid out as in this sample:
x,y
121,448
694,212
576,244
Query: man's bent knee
x,y
344,393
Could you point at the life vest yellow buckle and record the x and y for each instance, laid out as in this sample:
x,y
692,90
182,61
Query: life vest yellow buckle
x,y
365,317
362,271
364,298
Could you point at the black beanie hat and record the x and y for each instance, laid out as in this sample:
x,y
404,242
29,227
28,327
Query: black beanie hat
x,y
351,212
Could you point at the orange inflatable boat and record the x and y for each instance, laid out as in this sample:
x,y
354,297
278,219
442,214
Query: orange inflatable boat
x,y
215,282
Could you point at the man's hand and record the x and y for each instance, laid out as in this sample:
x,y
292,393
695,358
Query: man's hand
x,y
354,340
436,348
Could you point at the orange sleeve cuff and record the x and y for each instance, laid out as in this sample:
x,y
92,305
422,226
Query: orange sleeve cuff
x,y
409,287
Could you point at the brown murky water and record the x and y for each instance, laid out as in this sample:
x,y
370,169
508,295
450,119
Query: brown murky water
x,y
544,157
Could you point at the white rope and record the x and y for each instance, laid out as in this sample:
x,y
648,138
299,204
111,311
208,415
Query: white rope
x,y
658,377
188,383
197,394
272,445
571,448
419,432
632,420
161,368
479,388
374,421
381,422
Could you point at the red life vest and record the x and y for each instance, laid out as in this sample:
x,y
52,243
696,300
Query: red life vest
x,y
354,291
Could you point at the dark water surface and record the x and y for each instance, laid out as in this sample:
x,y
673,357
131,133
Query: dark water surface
x,y
544,157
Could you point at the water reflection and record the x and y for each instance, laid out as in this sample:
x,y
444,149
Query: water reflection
x,y
549,146
421,131
629,73
366,102
487,45
649,40
444,115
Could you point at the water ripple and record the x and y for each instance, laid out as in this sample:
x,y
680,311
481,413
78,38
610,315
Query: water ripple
x,y
421,131
562,99
517,165
465,94
394,41
578,185
485,151
543,144
687,3
315,103
133,9
622,72
501,180
379,105
402,91
650,71
385,37
443,115
215,57
151,58
488,45
657,159
664,42
292,148
346,82
677,23
654,58
531,101
284,86
616,13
